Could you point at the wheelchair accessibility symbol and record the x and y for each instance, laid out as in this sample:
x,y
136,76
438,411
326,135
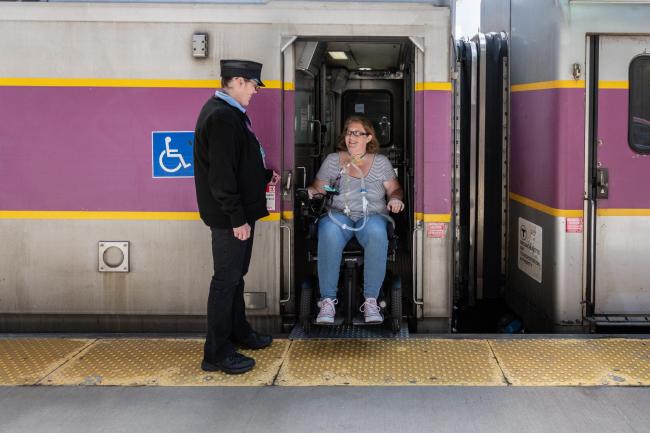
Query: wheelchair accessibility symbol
x,y
172,153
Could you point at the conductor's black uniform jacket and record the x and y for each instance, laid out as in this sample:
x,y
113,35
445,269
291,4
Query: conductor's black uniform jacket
x,y
229,171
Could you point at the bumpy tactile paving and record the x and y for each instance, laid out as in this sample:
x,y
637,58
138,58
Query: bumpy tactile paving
x,y
166,362
24,361
587,362
390,362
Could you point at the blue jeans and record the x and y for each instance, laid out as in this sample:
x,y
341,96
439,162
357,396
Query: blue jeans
x,y
331,241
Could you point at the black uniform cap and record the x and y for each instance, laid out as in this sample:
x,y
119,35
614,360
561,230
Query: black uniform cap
x,y
242,68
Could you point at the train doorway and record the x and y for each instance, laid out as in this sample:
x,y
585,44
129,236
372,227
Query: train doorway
x,y
618,171
335,79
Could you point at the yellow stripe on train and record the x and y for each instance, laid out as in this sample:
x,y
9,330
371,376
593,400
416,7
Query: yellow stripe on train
x,y
126,82
117,215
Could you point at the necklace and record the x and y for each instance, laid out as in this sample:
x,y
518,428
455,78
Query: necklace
x,y
356,159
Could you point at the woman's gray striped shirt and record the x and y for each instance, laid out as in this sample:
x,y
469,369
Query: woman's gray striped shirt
x,y
349,186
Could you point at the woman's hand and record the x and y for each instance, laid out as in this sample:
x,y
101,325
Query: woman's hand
x,y
395,205
311,191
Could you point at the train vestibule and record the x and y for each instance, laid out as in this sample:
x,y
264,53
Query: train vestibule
x,y
336,79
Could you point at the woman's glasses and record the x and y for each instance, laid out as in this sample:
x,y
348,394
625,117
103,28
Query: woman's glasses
x,y
355,133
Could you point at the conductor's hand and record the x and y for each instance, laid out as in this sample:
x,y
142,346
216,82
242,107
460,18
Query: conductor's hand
x,y
242,232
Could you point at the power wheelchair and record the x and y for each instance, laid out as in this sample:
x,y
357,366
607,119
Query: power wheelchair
x,y
350,288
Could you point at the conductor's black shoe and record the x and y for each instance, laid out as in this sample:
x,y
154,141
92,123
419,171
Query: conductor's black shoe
x,y
231,364
256,341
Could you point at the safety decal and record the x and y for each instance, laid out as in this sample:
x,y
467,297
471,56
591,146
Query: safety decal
x,y
574,225
530,249
436,230
172,154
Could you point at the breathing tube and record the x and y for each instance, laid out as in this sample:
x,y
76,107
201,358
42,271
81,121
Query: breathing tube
x,y
347,193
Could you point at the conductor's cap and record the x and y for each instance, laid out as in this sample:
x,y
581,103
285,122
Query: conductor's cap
x,y
242,68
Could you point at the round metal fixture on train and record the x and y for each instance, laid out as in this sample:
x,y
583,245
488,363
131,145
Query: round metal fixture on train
x,y
113,256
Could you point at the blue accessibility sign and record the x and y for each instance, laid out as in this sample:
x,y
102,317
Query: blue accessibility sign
x,y
172,153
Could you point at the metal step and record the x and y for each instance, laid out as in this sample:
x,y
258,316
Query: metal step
x,y
347,332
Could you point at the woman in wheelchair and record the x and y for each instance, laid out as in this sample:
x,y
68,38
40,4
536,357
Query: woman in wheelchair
x,y
360,180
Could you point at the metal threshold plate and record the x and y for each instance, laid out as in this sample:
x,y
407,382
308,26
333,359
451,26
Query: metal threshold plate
x,y
25,361
166,362
326,361
390,362
342,331
589,362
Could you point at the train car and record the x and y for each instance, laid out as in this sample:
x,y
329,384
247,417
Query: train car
x,y
98,215
579,216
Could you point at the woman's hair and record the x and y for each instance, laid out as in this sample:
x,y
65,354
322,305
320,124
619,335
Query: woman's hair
x,y
225,81
373,144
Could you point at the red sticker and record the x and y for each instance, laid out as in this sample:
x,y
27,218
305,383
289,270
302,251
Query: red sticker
x,y
436,230
574,225
270,197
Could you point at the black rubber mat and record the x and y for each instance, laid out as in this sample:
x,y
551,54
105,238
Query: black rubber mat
x,y
347,331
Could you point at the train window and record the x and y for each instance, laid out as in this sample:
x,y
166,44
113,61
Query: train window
x,y
639,105
377,106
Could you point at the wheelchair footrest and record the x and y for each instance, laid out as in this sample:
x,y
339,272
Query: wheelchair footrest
x,y
338,321
358,320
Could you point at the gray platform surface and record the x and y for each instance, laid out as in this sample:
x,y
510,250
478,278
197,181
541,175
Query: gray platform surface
x,y
323,409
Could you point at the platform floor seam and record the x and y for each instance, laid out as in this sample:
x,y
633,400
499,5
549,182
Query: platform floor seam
x,y
496,359
285,356
67,361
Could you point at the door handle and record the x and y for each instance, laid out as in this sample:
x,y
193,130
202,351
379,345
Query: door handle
x,y
319,138
602,183
287,184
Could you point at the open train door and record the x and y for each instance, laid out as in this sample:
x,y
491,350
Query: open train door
x,y
618,177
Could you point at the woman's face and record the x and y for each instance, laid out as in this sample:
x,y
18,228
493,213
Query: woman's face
x,y
356,138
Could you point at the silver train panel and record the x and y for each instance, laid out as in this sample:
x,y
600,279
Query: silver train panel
x,y
622,265
147,41
556,301
51,266
548,36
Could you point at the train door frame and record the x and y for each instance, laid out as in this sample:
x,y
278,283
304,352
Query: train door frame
x,y
596,311
294,176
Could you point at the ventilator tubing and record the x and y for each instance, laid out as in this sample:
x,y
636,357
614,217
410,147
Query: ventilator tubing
x,y
364,201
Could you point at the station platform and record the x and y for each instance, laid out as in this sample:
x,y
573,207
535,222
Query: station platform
x,y
416,361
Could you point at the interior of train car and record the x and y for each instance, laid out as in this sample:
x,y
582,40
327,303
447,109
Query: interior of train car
x,y
335,79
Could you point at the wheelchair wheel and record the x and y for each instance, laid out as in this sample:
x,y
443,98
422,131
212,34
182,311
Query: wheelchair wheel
x,y
396,304
305,306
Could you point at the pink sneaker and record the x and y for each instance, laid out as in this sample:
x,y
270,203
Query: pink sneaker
x,y
371,311
327,311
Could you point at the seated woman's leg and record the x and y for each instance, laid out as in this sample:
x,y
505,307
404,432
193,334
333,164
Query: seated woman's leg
x,y
331,241
374,239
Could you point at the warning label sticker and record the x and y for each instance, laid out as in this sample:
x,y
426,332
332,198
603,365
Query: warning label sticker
x,y
574,225
270,197
436,230
530,249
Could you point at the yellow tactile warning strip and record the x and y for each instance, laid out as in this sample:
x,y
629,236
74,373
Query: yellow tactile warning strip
x,y
25,361
390,362
574,362
421,361
166,362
